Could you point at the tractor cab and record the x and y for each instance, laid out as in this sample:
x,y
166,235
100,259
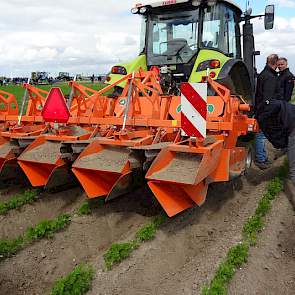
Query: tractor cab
x,y
190,39
174,34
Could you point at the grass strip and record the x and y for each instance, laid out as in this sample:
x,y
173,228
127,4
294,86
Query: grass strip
x,y
120,251
19,200
45,229
18,90
237,255
77,282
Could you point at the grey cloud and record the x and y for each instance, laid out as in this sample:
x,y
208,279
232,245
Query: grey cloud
x,y
62,35
90,36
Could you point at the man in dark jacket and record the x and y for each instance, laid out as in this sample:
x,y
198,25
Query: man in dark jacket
x,y
286,79
280,131
276,118
268,87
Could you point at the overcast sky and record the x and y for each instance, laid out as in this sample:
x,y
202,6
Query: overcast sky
x,y
90,36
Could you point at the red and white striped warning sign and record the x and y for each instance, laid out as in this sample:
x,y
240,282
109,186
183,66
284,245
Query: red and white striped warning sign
x,y
194,109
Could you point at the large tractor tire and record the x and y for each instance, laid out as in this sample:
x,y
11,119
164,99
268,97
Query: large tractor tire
x,y
235,76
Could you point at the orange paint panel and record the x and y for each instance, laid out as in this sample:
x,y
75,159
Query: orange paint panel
x,y
171,197
197,192
175,108
37,142
96,183
93,147
37,173
217,104
221,173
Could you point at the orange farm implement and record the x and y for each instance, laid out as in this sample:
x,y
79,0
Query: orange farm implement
x,y
178,143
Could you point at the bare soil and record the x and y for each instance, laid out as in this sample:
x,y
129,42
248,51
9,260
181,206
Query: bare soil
x,y
47,152
109,159
182,168
5,149
271,266
49,206
78,131
8,191
180,260
188,248
34,270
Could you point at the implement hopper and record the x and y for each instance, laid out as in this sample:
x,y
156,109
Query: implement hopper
x,y
46,161
179,175
103,169
109,166
40,160
19,131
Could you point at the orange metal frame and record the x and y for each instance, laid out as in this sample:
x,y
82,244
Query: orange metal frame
x,y
152,118
219,158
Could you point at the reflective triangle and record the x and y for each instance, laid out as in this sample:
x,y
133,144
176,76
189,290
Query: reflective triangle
x,y
55,108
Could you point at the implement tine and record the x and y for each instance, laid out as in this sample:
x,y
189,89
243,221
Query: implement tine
x,y
71,93
25,97
129,97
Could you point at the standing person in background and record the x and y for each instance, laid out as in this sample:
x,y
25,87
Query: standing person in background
x,y
286,79
268,87
286,88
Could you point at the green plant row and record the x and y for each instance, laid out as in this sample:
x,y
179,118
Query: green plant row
x,y
19,200
88,206
84,209
255,223
120,251
238,255
235,258
45,229
77,282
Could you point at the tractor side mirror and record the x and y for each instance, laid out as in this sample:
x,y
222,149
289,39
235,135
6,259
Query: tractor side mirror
x,y
269,17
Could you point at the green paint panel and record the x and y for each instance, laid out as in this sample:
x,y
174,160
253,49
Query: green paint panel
x,y
178,109
205,55
210,108
122,102
134,65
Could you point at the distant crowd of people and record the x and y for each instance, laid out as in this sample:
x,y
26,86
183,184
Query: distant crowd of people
x,y
50,80
14,81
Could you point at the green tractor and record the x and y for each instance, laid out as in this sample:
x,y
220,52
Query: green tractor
x,y
186,40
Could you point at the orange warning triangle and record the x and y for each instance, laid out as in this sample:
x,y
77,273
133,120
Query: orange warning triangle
x,y
55,108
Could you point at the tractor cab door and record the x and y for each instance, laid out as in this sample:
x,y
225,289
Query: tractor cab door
x,y
221,30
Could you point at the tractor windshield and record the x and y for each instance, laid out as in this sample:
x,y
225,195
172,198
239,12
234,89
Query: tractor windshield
x,y
172,37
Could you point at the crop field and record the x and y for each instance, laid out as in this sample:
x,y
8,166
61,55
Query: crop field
x,y
241,241
18,90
